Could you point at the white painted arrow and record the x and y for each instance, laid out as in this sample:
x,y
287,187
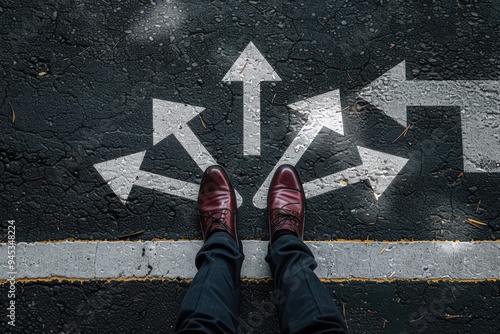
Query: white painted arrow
x,y
323,111
168,118
123,173
172,118
378,168
251,67
479,101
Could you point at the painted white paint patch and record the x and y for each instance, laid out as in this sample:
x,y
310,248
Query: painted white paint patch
x,y
336,260
479,101
251,68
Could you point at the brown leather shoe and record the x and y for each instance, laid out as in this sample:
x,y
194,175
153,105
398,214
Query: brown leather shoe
x,y
286,202
217,203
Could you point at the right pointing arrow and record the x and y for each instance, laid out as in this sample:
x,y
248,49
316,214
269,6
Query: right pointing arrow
x,y
378,168
123,173
251,67
323,110
479,101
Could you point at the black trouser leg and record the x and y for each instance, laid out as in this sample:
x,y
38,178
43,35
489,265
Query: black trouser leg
x,y
303,302
212,302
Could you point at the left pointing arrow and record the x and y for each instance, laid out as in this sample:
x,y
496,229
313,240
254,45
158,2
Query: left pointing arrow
x,y
478,100
251,68
123,173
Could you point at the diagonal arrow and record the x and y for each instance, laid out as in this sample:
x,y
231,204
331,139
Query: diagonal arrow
x,y
123,173
378,168
172,118
479,101
251,67
323,110
168,118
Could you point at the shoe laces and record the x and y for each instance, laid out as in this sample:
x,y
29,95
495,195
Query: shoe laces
x,y
283,216
217,217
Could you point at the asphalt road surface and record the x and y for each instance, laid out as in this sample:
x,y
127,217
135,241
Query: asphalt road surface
x,y
111,110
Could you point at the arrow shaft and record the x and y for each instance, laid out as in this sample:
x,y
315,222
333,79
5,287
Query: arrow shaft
x,y
291,156
449,93
167,185
480,116
335,181
251,118
171,186
194,148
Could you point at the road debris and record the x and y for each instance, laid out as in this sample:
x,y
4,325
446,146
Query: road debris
x,y
383,249
131,235
243,67
13,113
345,318
453,316
365,223
403,134
202,121
476,223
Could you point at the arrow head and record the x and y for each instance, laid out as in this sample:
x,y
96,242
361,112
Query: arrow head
x,y
380,168
120,173
169,117
323,109
387,93
251,66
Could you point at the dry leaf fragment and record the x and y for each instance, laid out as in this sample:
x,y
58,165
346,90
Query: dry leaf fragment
x,y
477,221
13,113
383,249
403,134
365,223
345,318
130,235
202,122
453,316
243,67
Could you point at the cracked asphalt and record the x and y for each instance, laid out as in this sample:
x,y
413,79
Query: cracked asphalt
x,y
77,82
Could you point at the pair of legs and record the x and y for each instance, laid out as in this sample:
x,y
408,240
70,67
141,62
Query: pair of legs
x,y
212,302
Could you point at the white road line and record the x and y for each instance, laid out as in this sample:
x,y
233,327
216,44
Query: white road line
x,y
336,260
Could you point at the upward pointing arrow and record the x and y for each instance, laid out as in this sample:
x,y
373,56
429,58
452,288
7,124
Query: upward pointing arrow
x,y
251,67
478,99
323,110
